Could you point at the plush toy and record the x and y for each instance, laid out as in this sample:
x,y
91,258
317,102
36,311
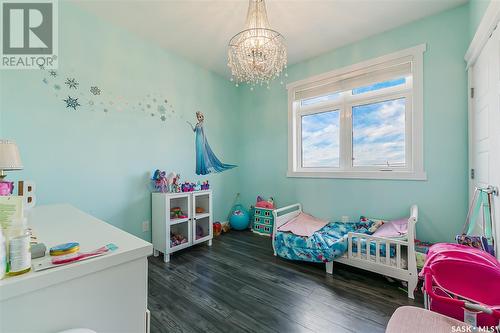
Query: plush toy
x,y
226,227
263,203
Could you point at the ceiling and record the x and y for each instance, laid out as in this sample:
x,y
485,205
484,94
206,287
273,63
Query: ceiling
x,y
200,30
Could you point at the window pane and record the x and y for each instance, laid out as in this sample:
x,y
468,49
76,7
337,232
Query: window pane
x,y
378,134
320,140
320,99
379,85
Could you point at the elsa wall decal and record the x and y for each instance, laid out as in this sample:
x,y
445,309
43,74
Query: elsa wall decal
x,y
206,161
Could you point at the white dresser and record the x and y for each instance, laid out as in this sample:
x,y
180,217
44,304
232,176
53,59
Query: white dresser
x,y
194,226
105,294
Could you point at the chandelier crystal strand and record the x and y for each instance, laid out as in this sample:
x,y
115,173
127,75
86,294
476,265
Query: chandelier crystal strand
x,y
257,55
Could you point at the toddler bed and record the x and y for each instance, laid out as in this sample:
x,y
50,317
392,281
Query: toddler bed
x,y
338,241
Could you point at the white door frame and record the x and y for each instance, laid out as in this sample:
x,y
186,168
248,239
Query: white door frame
x,y
487,26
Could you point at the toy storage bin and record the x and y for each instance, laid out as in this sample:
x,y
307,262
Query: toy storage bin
x,y
262,229
263,221
263,212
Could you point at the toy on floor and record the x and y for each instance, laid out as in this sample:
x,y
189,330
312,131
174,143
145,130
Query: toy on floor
x,y
177,213
463,283
263,219
263,203
217,228
240,219
177,239
226,227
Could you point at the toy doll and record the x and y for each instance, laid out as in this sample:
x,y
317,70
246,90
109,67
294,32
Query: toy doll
x,y
160,181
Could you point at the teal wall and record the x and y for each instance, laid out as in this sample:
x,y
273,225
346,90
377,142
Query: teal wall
x,y
477,8
100,162
442,198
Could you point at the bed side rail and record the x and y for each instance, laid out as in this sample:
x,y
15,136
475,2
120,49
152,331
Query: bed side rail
x,y
363,244
364,240
282,216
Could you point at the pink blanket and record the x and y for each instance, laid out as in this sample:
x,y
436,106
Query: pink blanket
x,y
303,225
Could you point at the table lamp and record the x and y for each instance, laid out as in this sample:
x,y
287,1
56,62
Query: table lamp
x,y
9,160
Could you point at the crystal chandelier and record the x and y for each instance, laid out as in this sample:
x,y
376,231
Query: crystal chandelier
x,y
257,54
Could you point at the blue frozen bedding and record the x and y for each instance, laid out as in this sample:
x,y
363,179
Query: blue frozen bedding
x,y
324,245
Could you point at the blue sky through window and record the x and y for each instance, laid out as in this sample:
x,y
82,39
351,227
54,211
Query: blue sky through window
x,y
379,85
319,99
379,134
320,140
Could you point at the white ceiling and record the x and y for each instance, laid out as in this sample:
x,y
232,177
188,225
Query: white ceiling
x,y
199,30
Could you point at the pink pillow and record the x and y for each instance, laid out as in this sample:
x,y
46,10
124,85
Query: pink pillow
x,y
303,225
395,228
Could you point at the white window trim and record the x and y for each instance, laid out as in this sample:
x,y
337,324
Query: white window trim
x,y
414,124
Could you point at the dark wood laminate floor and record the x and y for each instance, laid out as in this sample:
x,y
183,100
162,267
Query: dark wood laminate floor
x,y
237,285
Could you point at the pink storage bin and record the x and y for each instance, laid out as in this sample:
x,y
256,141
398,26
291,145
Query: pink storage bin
x,y
460,278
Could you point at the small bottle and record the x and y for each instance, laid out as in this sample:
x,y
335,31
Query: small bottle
x,y
3,255
19,254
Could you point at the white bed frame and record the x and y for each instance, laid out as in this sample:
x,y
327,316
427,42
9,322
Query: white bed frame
x,y
391,267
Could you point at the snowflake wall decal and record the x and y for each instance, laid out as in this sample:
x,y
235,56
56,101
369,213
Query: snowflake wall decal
x,y
72,102
71,83
95,90
53,73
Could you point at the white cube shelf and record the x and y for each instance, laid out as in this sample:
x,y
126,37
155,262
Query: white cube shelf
x,y
196,227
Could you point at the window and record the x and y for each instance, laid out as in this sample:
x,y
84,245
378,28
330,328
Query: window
x,y
364,121
320,140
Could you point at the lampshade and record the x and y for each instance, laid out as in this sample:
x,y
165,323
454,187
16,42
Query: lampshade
x,y
9,156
